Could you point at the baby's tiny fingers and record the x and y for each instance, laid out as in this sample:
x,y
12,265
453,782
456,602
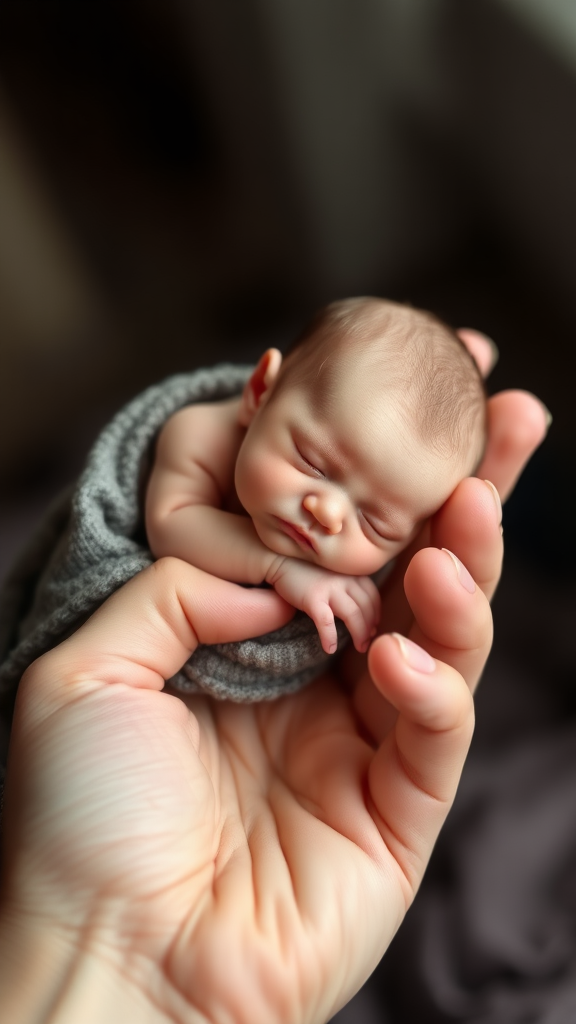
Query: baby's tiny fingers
x,y
366,600
357,619
371,592
323,618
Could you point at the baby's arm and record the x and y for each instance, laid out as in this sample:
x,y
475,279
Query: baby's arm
x,y
193,466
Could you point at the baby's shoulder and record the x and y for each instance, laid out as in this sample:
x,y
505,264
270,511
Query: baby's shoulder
x,y
208,414
208,433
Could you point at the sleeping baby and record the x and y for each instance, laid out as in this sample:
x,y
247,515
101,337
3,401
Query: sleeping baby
x,y
327,464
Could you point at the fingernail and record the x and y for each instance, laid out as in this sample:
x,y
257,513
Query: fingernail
x,y
496,496
462,572
414,656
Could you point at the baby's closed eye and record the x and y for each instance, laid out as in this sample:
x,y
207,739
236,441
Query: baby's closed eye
x,y
376,528
307,460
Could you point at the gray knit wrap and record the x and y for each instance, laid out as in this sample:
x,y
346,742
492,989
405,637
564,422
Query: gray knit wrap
x,y
92,541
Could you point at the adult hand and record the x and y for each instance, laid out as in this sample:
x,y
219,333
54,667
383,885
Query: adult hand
x,y
194,860
517,424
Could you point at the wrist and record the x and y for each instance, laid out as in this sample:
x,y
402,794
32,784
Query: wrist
x,y
274,568
49,973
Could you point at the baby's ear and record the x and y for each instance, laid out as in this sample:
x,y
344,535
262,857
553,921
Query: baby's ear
x,y
259,386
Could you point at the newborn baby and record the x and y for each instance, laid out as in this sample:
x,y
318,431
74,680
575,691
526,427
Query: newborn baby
x,y
327,465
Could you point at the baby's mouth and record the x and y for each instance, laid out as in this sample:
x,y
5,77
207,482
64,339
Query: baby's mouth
x,y
297,534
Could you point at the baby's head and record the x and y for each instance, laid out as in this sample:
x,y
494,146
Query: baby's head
x,y
359,434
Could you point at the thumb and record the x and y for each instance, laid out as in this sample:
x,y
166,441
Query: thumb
x,y
143,634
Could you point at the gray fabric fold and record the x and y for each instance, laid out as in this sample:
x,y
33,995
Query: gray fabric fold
x,y
92,541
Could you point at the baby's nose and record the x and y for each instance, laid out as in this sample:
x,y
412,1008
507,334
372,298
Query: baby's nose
x,y
326,509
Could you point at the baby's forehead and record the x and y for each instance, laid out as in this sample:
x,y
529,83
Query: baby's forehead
x,y
360,432
354,392
388,469
367,421
437,397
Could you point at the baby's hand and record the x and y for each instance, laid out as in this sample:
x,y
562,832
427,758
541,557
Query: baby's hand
x,y
323,595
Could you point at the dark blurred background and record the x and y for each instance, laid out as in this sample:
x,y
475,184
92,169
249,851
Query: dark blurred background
x,y
186,182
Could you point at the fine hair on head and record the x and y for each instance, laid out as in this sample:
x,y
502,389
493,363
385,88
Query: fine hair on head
x,y
411,356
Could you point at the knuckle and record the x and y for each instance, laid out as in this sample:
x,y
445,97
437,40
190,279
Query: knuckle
x,y
165,568
325,618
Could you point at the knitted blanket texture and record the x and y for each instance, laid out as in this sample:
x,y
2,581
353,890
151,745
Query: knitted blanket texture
x,y
92,541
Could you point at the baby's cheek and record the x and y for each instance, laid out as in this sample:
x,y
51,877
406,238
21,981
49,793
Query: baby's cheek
x,y
355,558
257,477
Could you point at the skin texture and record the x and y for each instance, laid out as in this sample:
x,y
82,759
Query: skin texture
x,y
186,860
318,473
329,469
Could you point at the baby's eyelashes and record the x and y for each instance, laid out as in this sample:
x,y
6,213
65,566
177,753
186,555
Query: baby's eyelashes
x,y
378,530
310,465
